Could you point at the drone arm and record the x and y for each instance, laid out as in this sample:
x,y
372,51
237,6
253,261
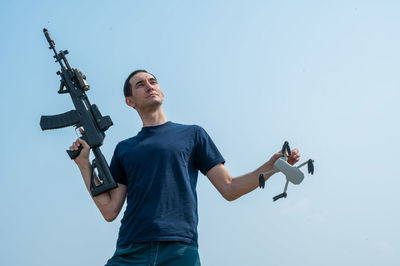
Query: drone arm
x,y
261,178
301,165
310,165
270,172
286,185
282,195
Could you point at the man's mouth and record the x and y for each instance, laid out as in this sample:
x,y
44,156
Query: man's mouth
x,y
152,94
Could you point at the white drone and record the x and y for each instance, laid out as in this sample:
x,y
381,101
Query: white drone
x,y
292,173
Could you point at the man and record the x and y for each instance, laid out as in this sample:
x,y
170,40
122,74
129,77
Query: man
x,y
156,172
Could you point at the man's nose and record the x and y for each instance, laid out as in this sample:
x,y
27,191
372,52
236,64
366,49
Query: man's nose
x,y
149,86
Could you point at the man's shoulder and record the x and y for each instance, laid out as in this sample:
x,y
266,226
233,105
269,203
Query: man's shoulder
x,y
194,129
185,126
131,141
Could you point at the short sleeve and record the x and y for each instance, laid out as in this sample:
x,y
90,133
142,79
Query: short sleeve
x,y
207,154
116,168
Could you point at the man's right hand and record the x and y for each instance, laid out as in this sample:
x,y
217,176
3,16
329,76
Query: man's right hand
x,y
83,157
109,203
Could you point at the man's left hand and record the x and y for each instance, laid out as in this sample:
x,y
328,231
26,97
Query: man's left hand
x,y
294,157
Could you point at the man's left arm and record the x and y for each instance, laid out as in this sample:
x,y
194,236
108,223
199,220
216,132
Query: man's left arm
x,y
232,188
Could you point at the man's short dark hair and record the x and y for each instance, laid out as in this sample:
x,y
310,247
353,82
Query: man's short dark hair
x,y
127,85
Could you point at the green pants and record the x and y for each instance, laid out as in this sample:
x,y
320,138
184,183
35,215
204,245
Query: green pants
x,y
156,254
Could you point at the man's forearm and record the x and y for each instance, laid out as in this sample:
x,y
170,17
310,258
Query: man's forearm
x,y
233,188
102,201
246,183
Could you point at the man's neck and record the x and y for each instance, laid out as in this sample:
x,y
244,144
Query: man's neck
x,y
153,118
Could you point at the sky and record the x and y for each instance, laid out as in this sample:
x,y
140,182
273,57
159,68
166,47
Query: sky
x,y
322,75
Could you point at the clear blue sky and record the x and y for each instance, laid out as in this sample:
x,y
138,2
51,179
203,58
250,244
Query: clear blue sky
x,y
323,75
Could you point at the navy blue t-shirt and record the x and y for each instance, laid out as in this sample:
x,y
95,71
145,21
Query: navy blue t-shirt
x,y
160,168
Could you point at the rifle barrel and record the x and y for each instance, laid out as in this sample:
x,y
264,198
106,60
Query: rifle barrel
x,y
48,38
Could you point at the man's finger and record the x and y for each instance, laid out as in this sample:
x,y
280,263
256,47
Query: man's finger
x,y
73,147
295,151
82,142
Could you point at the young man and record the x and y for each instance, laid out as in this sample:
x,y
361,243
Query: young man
x,y
156,172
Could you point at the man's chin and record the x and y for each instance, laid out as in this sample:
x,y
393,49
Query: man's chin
x,y
154,105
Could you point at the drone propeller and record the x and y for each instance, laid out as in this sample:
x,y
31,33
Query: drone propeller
x,y
286,148
261,181
310,165
282,195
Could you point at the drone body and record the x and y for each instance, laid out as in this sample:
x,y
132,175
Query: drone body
x,y
292,173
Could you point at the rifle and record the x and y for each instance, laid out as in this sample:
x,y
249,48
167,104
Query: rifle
x,y
85,115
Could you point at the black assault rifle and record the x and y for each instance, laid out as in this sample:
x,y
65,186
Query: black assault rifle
x,y
85,115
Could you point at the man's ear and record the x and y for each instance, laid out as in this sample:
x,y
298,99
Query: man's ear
x,y
129,101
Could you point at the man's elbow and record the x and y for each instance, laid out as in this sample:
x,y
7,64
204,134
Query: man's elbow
x,y
110,216
229,196
228,192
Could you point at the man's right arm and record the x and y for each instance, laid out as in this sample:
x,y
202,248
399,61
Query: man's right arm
x,y
109,203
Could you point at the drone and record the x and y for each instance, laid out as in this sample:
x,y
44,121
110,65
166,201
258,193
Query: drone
x,y
292,173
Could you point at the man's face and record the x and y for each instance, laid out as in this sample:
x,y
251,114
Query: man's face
x,y
146,92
